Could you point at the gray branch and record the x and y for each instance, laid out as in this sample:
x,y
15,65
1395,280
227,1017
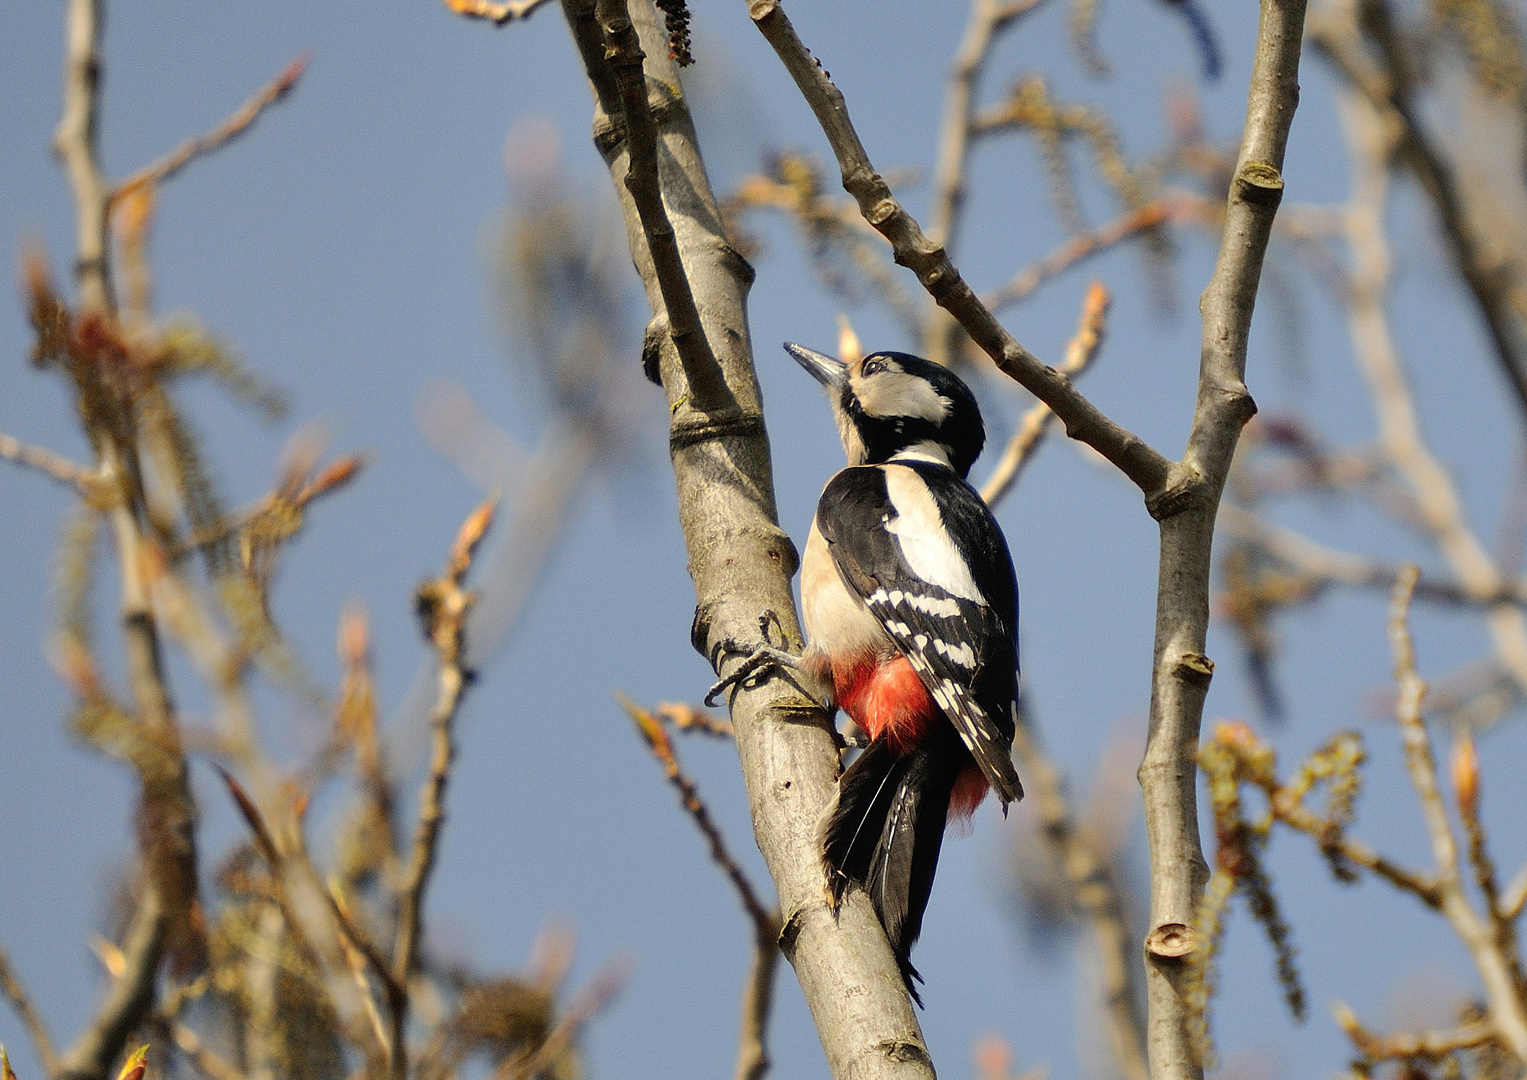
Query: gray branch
x,y
742,563
1181,672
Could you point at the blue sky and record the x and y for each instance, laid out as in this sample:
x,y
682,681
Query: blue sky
x,y
343,247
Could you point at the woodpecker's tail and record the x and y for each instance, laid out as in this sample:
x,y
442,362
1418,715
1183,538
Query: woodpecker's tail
x,y
885,831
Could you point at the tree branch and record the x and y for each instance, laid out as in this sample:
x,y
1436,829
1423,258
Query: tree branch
x,y
758,995
1499,970
21,1001
1390,87
231,128
1164,487
741,564
1180,671
47,462
988,19
443,606
1097,894
1080,352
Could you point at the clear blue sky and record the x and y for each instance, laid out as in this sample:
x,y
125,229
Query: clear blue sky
x,y
342,247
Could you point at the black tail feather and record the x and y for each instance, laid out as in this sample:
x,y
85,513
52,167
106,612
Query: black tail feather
x,y
885,834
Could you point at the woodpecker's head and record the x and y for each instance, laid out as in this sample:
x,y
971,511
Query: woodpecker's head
x,y
892,403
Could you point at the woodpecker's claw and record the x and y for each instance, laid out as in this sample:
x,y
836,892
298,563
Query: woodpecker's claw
x,y
762,659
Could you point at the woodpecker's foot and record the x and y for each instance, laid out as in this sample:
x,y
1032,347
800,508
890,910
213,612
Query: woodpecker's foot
x,y
762,660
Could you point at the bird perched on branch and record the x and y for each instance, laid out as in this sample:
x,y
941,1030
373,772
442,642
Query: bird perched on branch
x,y
911,608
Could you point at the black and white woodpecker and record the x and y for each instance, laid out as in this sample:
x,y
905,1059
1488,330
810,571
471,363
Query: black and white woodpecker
x,y
911,610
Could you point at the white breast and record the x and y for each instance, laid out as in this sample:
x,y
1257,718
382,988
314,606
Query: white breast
x,y
837,622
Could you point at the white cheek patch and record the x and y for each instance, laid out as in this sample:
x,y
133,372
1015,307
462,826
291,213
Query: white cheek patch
x,y
925,543
895,393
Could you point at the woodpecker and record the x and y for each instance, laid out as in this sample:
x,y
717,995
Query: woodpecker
x,y
910,605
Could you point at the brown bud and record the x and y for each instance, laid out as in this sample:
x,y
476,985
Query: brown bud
x,y
1466,776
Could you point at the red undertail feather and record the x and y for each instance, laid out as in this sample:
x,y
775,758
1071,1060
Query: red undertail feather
x,y
885,696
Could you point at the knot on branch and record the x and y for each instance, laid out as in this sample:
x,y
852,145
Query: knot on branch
x,y
1179,493
902,1050
1172,941
1194,668
1259,182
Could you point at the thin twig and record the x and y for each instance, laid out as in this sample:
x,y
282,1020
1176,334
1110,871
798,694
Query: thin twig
x,y
584,1007
495,13
1443,517
1287,808
1081,350
46,461
753,1054
230,129
443,607
757,1005
21,1001
988,18
1389,83
1105,236
1426,1045
1164,486
209,1064
1514,895
1097,894
1329,565
1493,951
651,731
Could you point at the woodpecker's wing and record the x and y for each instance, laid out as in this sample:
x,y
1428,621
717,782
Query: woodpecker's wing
x,y
923,552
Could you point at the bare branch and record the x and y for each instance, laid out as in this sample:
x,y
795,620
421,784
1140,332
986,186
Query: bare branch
x,y
1328,565
988,18
1390,87
230,129
1096,892
1493,952
1428,1045
130,1001
21,1001
75,144
757,1005
1080,352
1163,487
499,13
1078,248
47,462
741,563
1181,671
1514,896
1442,515
606,984
443,606
657,740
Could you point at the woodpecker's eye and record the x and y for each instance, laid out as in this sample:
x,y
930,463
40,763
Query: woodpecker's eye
x,y
872,367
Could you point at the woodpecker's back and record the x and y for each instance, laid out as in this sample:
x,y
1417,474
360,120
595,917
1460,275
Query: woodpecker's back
x,y
911,607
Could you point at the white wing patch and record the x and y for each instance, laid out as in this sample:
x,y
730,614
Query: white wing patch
x,y
925,543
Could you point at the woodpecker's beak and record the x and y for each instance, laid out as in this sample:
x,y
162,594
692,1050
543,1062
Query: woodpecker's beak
x,y
831,373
